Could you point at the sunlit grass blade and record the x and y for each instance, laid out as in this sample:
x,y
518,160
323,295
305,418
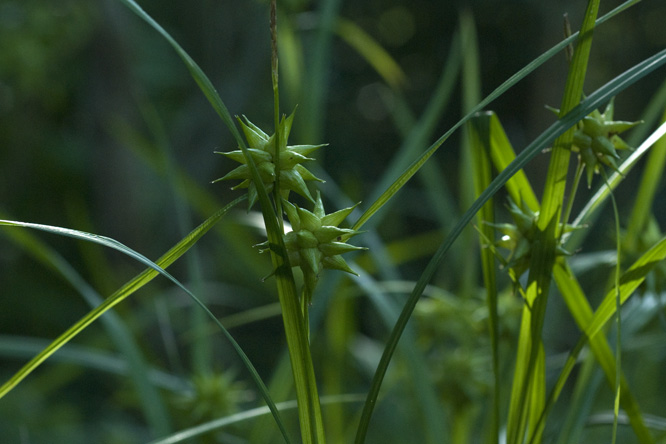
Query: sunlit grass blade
x,y
480,144
129,288
592,102
398,183
502,154
629,282
558,167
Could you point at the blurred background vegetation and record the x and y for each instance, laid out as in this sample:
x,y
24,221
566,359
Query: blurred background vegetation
x,y
103,130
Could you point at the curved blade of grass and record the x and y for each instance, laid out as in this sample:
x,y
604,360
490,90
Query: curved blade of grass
x,y
152,403
629,282
593,101
129,288
197,74
510,82
249,414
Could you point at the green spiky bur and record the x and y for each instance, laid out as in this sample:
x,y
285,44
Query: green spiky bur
x,y
596,140
316,242
519,236
292,175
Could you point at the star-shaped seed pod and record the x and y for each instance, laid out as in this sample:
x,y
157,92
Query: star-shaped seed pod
x,y
519,237
596,140
292,175
316,242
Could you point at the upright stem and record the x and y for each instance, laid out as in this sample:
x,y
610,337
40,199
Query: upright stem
x,y
276,113
295,321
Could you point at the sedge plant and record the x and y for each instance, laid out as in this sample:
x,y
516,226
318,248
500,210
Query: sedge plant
x,y
305,241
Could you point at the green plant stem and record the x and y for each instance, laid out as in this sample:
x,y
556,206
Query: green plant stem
x,y
294,317
574,189
276,113
618,317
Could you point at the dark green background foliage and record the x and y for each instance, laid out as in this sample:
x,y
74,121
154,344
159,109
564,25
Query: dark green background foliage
x,y
103,130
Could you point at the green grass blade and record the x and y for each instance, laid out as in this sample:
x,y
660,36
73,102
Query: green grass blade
x,y
481,147
195,71
398,183
629,282
556,178
600,96
247,415
468,187
154,269
502,154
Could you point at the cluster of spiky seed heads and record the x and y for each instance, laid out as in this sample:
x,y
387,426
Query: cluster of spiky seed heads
x,y
315,242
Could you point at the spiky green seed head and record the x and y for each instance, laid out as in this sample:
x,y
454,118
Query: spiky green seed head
x,y
316,242
291,175
519,237
596,140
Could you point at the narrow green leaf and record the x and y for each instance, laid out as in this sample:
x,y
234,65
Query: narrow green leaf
x,y
629,282
558,168
219,423
502,154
